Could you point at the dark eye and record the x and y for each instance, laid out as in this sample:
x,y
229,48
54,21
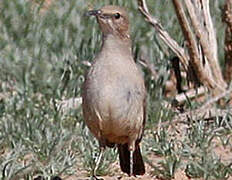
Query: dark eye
x,y
117,16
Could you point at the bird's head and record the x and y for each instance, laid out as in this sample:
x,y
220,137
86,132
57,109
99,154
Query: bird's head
x,y
112,20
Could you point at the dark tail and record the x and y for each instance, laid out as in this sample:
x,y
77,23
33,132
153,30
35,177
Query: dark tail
x,y
124,157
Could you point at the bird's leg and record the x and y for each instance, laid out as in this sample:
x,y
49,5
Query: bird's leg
x,y
102,148
131,148
131,162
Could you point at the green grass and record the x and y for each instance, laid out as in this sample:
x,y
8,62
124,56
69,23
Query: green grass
x,y
41,64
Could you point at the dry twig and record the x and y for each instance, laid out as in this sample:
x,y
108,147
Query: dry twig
x,y
172,44
190,94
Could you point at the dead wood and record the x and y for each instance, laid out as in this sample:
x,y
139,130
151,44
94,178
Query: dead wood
x,y
198,30
172,44
206,111
189,95
204,31
191,44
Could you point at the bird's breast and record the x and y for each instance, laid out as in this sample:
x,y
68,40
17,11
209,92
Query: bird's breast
x,y
114,94
118,105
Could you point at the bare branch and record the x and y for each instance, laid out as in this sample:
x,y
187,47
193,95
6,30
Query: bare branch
x,y
216,98
190,94
202,61
171,43
198,114
204,111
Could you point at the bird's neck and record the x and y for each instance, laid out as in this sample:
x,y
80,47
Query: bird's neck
x,y
115,44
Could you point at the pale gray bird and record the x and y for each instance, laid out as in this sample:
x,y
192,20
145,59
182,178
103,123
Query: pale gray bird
x,y
114,95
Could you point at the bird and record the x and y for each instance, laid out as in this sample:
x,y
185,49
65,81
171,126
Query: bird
x,y
114,93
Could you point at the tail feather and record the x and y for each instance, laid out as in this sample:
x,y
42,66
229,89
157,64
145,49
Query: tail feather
x,y
124,157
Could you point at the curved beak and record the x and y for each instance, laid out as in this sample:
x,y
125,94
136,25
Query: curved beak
x,y
93,13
